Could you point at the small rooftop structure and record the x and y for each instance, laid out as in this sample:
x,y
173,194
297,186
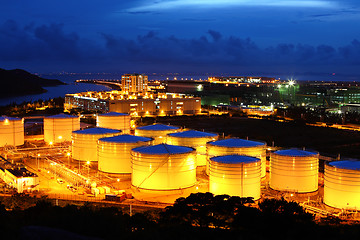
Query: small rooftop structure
x,y
236,142
157,127
192,134
97,130
161,149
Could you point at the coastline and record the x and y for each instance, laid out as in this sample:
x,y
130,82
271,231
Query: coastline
x,y
53,92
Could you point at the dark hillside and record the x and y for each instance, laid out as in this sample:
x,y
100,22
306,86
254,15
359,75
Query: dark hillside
x,y
19,82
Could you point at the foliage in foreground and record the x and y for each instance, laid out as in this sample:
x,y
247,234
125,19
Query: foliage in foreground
x,y
200,215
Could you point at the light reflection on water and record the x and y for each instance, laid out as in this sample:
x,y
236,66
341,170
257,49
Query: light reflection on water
x,y
53,92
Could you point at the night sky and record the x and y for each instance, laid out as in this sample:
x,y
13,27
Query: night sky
x,y
196,36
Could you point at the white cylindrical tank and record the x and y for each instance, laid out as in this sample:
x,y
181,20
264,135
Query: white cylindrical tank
x,y
342,184
238,146
163,167
114,153
294,170
11,131
58,128
156,131
84,142
114,120
235,175
194,139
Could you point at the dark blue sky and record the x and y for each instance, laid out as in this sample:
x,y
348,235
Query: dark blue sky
x,y
200,36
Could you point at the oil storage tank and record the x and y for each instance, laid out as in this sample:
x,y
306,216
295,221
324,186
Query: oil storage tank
x,y
235,175
163,167
114,120
58,128
195,139
114,153
238,146
84,144
342,184
11,131
156,131
294,170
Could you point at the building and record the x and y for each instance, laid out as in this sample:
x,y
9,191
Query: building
x,y
88,103
134,83
19,178
135,104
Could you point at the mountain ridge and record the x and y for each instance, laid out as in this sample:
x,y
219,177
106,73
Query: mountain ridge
x,y
18,82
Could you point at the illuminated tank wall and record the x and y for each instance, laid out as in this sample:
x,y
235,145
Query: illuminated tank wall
x,y
114,153
238,146
11,131
156,131
58,128
114,120
163,167
294,170
194,139
235,175
342,184
84,142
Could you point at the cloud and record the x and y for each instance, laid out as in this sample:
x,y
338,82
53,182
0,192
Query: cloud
x,y
50,48
175,4
215,35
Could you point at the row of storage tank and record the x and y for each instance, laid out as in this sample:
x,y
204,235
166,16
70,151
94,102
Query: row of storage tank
x,y
162,157
58,128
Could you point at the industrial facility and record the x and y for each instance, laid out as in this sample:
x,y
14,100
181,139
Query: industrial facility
x,y
167,162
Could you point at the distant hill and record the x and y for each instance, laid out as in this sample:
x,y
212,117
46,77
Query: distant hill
x,y
19,82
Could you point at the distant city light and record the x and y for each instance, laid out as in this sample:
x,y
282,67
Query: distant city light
x,y
291,82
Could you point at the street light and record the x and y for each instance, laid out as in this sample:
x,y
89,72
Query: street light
x,y
38,160
68,156
88,163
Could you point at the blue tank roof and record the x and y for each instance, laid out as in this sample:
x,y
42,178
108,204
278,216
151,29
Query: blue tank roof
x,y
113,114
236,142
192,134
163,149
233,159
295,153
97,130
346,164
61,115
3,118
158,127
125,138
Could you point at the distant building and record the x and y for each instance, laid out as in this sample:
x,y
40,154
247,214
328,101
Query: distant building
x,y
134,104
134,83
241,79
350,108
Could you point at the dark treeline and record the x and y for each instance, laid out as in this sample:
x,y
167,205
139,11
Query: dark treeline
x,y
50,106
198,216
